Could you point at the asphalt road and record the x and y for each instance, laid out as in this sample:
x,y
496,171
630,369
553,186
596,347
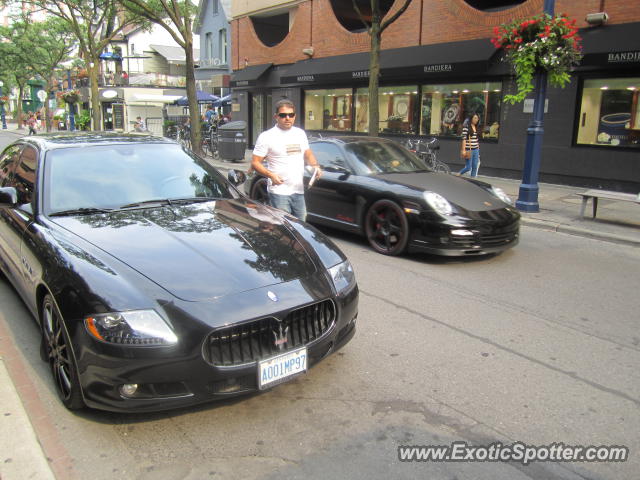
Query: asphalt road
x,y
538,345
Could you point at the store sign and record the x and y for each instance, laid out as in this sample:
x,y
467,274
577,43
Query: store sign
x,y
305,78
443,67
361,74
109,94
624,57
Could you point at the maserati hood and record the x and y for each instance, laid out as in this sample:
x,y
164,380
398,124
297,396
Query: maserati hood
x,y
199,251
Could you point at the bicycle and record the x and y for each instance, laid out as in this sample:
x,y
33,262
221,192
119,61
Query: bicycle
x,y
426,150
212,138
184,135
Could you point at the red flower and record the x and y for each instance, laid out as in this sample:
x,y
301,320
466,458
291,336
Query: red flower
x,y
518,40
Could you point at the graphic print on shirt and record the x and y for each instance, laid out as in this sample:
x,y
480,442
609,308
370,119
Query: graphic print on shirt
x,y
293,149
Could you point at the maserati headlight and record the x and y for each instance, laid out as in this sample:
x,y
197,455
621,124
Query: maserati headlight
x,y
343,276
498,192
438,203
134,328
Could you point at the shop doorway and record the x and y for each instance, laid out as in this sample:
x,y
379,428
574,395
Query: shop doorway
x,y
112,116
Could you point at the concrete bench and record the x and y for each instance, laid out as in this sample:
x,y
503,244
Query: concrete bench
x,y
594,195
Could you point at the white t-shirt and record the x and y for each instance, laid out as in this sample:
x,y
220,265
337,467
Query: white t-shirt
x,y
284,151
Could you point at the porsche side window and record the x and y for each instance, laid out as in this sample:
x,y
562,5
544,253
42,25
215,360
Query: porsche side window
x,y
8,161
328,155
24,179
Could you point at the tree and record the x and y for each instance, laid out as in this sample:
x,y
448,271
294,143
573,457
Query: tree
x,y
181,15
15,72
42,46
375,26
94,23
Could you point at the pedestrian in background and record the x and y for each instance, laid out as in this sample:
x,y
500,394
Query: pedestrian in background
x,y
286,150
470,146
32,123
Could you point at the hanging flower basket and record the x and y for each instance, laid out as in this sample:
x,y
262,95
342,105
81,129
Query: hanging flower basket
x,y
4,99
543,43
70,96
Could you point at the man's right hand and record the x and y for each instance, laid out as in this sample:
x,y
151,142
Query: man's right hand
x,y
275,179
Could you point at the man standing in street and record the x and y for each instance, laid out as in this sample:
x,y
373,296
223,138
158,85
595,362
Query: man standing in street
x,y
286,150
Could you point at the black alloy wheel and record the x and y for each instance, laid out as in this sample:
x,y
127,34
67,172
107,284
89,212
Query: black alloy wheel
x,y
259,191
56,350
387,228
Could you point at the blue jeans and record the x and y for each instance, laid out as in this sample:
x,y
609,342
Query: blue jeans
x,y
293,204
472,163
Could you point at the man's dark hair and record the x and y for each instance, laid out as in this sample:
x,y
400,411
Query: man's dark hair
x,y
284,103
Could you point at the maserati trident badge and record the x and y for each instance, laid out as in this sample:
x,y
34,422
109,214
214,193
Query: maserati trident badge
x,y
280,336
272,296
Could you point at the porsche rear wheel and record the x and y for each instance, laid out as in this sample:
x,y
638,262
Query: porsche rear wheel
x,y
56,349
387,228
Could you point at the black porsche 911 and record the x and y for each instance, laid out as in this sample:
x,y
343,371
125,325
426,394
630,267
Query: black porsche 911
x,y
377,188
155,282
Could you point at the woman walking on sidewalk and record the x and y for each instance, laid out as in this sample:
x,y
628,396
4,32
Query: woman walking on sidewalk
x,y
32,123
470,146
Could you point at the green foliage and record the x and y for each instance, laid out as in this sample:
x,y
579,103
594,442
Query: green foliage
x,y
540,43
83,120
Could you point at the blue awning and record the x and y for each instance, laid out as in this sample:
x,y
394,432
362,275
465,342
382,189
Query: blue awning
x,y
111,56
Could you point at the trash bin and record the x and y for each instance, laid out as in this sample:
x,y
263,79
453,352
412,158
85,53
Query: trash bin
x,y
232,141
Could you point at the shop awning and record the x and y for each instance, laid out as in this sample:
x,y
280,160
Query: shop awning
x,y
111,56
248,75
423,61
611,46
151,98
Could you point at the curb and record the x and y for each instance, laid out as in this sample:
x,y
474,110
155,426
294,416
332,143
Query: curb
x,y
22,455
580,232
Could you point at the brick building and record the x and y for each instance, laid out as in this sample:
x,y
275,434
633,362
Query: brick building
x,y
437,66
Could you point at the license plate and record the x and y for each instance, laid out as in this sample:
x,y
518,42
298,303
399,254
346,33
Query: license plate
x,y
279,369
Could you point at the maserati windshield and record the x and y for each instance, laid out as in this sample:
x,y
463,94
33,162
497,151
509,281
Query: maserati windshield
x,y
109,177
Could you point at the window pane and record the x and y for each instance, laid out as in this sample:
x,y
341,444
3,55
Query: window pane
x,y
223,46
114,175
609,113
445,107
396,109
25,175
328,109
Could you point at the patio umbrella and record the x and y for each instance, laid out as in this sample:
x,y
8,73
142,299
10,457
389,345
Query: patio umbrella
x,y
203,97
223,102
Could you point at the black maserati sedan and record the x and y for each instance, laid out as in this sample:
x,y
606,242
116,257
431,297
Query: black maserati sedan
x,y
377,188
155,282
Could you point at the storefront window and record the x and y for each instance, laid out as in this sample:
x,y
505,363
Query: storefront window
x,y
328,109
445,107
609,113
396,109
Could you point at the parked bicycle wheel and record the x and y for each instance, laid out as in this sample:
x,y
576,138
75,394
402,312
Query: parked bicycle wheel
x,y
442,167
215,152
430,159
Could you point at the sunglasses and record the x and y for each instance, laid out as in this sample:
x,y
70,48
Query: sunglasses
x,y
285,115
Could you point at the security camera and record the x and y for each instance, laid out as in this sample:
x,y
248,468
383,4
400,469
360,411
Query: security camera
x,y
308,51
599,18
